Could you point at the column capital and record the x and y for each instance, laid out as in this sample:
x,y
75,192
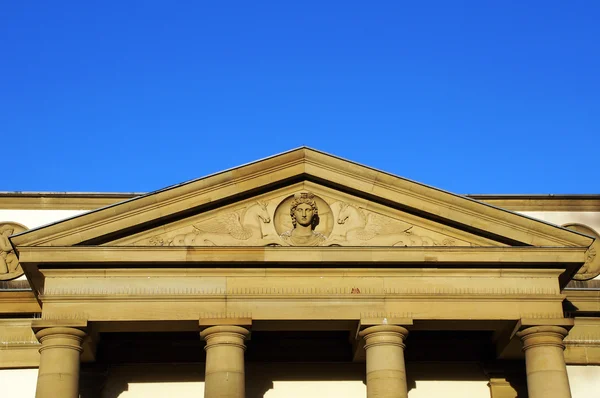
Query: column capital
x,y
384,334
61,337
224,335
537,336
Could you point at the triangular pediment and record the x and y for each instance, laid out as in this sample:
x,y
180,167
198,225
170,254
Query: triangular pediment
x,y
250,206
343,220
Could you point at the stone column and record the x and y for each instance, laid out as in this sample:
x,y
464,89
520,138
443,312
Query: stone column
x,y
545,361
59,362
224,361
503,387
386,374
507,379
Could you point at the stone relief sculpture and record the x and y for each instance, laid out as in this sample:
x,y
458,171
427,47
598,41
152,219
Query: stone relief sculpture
x,y
9,263
244,225
359,226
302,219
305,218
591,267
362,228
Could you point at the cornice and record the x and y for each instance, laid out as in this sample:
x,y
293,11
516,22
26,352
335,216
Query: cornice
x,y
18,345
437,297
583,301
60,200
524,256
96,200
542,202
302,272
18,302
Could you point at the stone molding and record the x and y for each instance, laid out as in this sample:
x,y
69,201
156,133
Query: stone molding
x,y
224,335
60,200
583,342
524,256
542,202
297,292
19,303
61,337
538,336
384,335
95,200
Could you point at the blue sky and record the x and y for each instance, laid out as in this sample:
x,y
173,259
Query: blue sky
x,y
467,96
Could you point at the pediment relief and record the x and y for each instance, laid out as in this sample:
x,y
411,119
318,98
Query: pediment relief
x,y
591,267
457,218
305,214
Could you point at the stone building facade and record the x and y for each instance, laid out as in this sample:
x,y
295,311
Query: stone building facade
x,y
299,275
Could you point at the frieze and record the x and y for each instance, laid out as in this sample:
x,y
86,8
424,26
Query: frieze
x,y
386,315
225,315
583,338
543,315
301,219
350,291
60,317
18,340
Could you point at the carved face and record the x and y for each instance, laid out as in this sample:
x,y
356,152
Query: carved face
x,y
306,200
304,214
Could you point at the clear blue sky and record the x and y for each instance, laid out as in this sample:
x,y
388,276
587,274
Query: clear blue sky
x,y
468,96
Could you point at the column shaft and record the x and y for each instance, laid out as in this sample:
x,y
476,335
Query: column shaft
x,y
386,373
225,377
59,362
545,362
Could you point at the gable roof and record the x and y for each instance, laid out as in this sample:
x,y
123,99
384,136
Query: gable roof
x,y
304,164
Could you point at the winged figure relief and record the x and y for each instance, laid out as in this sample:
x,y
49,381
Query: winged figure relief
x,y
363,228
228,229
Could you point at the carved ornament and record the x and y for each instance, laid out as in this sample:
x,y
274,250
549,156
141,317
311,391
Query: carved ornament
x,y
591,267
9,263
240,227
301,219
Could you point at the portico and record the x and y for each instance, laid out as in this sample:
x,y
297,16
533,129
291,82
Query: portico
x,y
378,273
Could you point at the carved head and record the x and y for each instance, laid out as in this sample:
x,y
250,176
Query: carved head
x,y
344,213
263,214
304,210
